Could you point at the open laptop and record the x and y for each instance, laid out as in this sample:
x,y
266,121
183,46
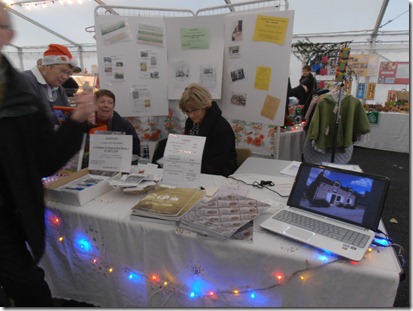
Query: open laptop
x,y
347,199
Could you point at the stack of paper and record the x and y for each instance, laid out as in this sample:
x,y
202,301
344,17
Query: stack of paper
x,y
166,205
222,216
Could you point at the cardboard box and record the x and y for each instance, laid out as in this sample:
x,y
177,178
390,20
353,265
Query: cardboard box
x,y
56,190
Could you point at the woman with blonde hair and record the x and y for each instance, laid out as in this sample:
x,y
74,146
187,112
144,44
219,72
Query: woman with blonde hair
x,y
205,119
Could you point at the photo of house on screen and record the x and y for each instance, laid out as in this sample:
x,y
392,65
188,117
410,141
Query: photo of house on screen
x,y
324,192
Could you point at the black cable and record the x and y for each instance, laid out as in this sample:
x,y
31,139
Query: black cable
x,y
260,185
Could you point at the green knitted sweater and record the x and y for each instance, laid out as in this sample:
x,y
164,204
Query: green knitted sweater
x,y
353,122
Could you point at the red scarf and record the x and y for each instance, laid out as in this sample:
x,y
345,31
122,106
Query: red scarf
x,y
103,121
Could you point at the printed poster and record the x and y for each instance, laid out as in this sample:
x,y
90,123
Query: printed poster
x,y
194,38
270,107
263,78
394,73
270,29
113,33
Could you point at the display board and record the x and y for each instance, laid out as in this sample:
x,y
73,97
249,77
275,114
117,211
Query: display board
x,y
256,65
242,58
195,53
132,59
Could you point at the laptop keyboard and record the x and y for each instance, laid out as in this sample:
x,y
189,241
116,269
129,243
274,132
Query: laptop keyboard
x,y
323,228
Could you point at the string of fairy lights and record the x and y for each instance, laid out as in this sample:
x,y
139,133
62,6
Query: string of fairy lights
x,y
35,4
158,284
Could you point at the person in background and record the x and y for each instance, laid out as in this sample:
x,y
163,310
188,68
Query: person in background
x,y
306,74
31,150
310,82
301,91
71,86
205,119
46,80
106,115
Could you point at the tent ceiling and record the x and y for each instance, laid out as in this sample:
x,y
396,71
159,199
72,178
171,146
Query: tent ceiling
x,y
39,23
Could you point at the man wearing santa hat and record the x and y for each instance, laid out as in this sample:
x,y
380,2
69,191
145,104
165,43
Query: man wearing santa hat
x,y
46,79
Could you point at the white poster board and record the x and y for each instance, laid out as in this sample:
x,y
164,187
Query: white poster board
x,y
256,65
195,53
132,59
242,58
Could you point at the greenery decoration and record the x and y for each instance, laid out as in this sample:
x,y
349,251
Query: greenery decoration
x,y
309,53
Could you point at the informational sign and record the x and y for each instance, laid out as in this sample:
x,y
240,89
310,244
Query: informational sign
x,y
363,65
394,73
110,153
182,160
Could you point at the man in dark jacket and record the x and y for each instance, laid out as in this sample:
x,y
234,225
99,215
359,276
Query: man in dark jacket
x,y
205,119
310,82
30,150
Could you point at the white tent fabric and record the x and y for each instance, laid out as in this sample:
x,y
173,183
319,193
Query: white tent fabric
x,y
71,22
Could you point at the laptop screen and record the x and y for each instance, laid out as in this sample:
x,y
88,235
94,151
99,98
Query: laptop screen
x,y
353,197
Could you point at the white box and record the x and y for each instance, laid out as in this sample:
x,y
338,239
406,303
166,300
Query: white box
x,y
56,190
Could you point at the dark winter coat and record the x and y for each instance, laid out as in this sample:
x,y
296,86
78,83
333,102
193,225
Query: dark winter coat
x,y
219,157
31,149
119,124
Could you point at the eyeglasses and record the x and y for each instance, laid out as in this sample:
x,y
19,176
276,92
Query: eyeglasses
x,y
188,112
65,72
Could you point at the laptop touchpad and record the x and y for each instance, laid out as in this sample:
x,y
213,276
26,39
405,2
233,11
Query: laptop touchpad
x,y
299,233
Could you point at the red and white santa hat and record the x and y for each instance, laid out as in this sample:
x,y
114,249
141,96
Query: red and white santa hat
x,y
58,54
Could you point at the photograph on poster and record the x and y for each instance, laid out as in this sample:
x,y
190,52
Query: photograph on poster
x,y
182,74
148,64
141,98
237,31
182,69
234,51
239,99
237,74
119,76
208,76
150,35
114,67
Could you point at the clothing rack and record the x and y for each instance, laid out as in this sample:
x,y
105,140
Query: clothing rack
x,y
338,117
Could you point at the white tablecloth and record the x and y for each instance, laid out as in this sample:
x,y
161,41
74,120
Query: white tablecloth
x,y
95,253
391,133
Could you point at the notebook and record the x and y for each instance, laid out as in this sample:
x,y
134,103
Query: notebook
x,y
352,202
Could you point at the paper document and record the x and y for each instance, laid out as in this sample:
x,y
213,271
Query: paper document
x,y
110,153
182,160
291,169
